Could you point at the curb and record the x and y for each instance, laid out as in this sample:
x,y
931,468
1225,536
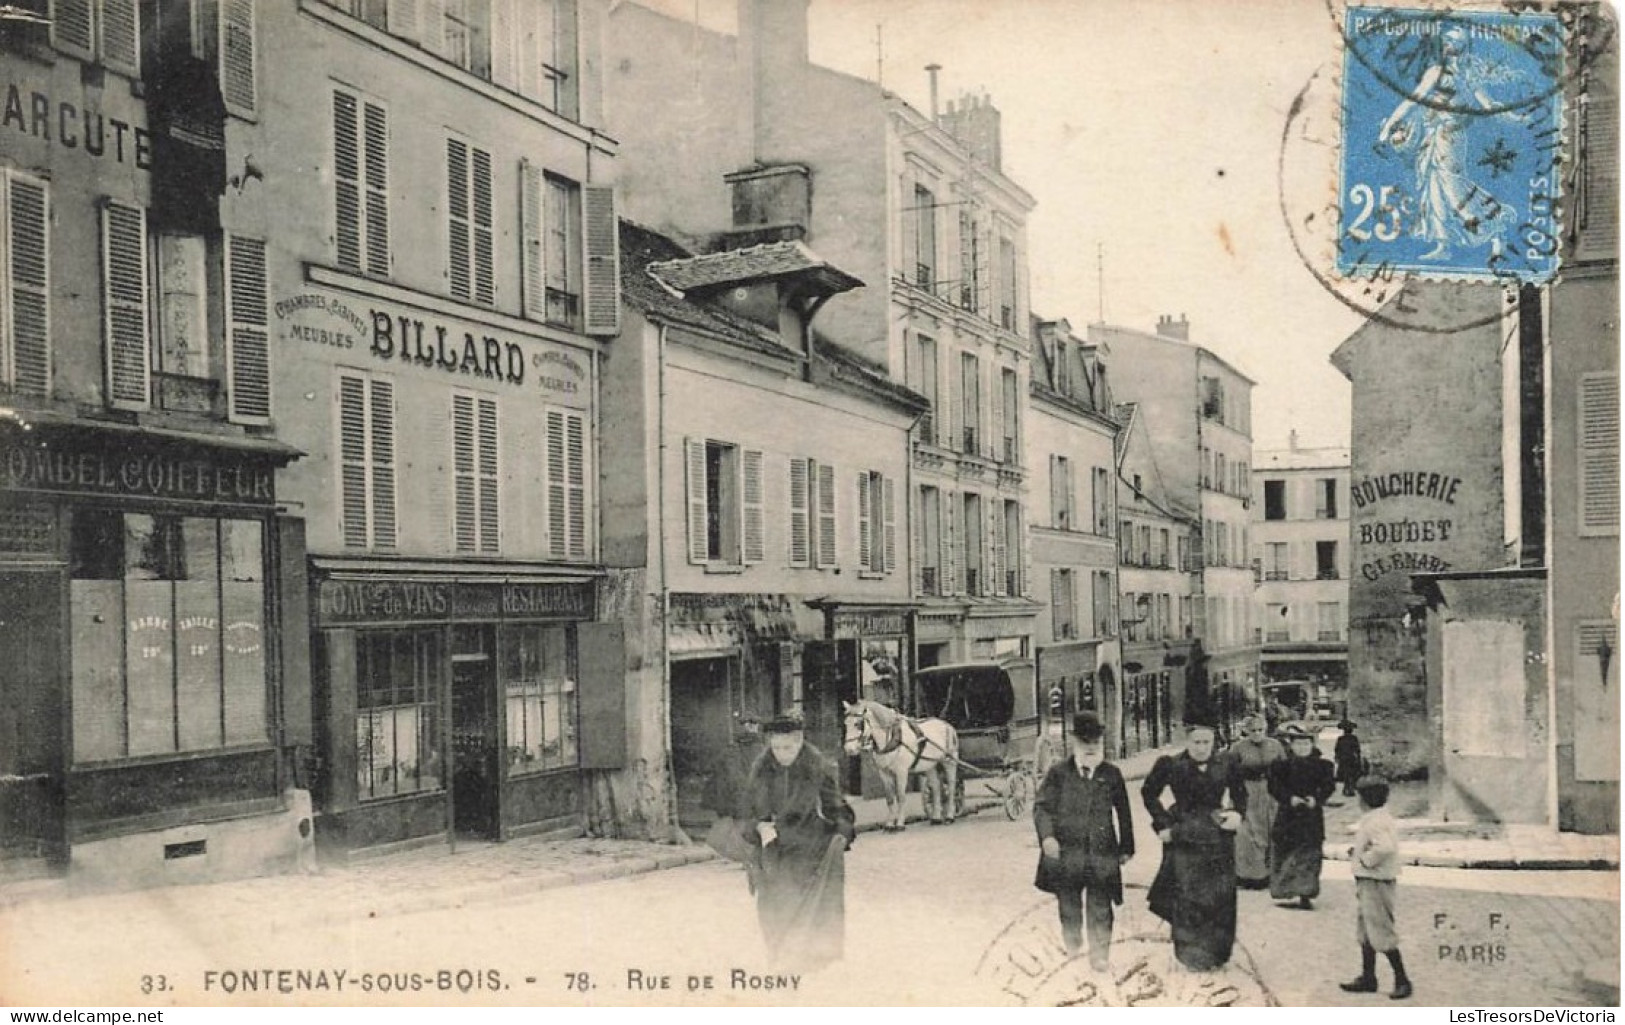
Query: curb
x,y
1494,863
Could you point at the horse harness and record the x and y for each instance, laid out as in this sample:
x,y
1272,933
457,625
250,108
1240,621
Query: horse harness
x,y
894,734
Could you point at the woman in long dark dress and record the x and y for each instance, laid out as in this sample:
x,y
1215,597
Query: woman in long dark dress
x,y
1195,889
1300,784
801,827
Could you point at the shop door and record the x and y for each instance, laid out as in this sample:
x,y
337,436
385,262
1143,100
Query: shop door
x,y
31,736
701,735
475,779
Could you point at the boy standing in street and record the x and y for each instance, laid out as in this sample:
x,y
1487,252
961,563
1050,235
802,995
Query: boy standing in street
x,y
1375,860
1082,848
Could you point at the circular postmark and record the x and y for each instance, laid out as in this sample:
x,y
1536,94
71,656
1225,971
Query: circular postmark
x,y
1029,964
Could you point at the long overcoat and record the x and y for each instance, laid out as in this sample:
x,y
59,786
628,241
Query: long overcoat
x,y
1079,813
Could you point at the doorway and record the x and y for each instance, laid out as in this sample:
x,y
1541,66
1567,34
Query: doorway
x,y
31,740
476,779
701,737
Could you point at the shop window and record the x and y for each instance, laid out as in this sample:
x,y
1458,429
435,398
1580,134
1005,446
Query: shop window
x,y
539,674
168,618
398,742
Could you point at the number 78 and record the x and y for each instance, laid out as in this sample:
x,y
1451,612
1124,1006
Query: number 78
x,y
1379,204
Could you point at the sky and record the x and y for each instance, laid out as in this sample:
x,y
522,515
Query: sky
x,y
1148,131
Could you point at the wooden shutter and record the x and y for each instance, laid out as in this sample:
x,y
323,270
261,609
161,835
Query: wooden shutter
x,y
248,340
532,215
826,516
1599,167
465,501
432,26
1025,561
866,527
916,523
601,662
458,230
381,424
575,453
800,513
505,37
490,516
354,483
403,19
73,28
1599,454
602,280
124,291
699,548
889,523
237,57
347,158
558,488
484,219
25,283
754,548
375,134
120,36
952,578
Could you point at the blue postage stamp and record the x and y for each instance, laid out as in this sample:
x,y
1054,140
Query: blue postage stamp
x,y
1452,132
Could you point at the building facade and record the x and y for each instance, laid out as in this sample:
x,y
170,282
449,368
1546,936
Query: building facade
x,y
1300,539
441,287
150,566
1197,410
1071,441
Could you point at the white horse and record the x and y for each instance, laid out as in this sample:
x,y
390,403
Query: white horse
x,y
902,747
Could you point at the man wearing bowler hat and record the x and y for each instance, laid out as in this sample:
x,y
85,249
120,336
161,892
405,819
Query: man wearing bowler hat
x,y
1085,836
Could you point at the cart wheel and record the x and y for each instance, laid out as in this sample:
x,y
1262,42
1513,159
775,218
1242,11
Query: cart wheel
x,y
1018,793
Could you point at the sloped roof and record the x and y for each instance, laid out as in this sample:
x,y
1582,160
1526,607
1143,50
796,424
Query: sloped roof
x,y
753,263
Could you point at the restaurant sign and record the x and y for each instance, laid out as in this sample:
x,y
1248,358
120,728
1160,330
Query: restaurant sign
x,y
371,600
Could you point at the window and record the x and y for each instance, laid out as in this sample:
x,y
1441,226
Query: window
x,y
1162,549
970,273
970,390
539,678
562,253
398,736
107,31
458,39
168,626
1213,398
1277,561
925,238
1103,501
567,525
925,382
1010,406
1144,546
1104,604
361,184
1125,541
1326,560
1165,626
974,534
475,472
1185,563
25,283
470,257
1011,551
1063,621
929,548
1007,284
877,524
1331,621
366,441
1276,627
1598,417
1060,492
1275,500
1326,498
724,503
182,293
812,514
1186,628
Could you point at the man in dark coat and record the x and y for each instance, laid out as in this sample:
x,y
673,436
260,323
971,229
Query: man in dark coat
x,y
1350,763
1082,848
801,826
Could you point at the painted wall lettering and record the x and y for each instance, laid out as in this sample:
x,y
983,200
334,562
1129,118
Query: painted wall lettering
x,y
1408,483
1404,531
1413,562
60,123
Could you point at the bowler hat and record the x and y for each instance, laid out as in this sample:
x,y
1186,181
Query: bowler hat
x,y
1295,731
1087,727
784,724
1345,725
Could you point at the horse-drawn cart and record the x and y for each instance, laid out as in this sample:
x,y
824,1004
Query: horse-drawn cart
x,y
997,743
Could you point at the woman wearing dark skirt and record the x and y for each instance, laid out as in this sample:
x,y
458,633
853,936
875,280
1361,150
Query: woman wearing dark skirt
x,y
1300,785
1195,889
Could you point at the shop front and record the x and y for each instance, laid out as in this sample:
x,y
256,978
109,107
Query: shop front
x,y
151,721
863,655
464,704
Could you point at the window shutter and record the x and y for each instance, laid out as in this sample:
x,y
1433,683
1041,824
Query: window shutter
x,y
995,433
25,341
954,415
889,512
532,186
489,480
995,548
347,149
383,462
755,545
432,26
558,488
826,516
602,279
1599,454
484,217
952,582
73,28
457,212
575,452
865,526
800,514
916,523
1599,169
987,397
505,37
237,57
248,345
1025,560
124,284
403,19
699,549
375,130
354,502
465,532
120,46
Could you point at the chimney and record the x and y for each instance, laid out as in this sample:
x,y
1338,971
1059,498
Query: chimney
x,y
1292,439
1168,327
976,126
932,69
772,62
